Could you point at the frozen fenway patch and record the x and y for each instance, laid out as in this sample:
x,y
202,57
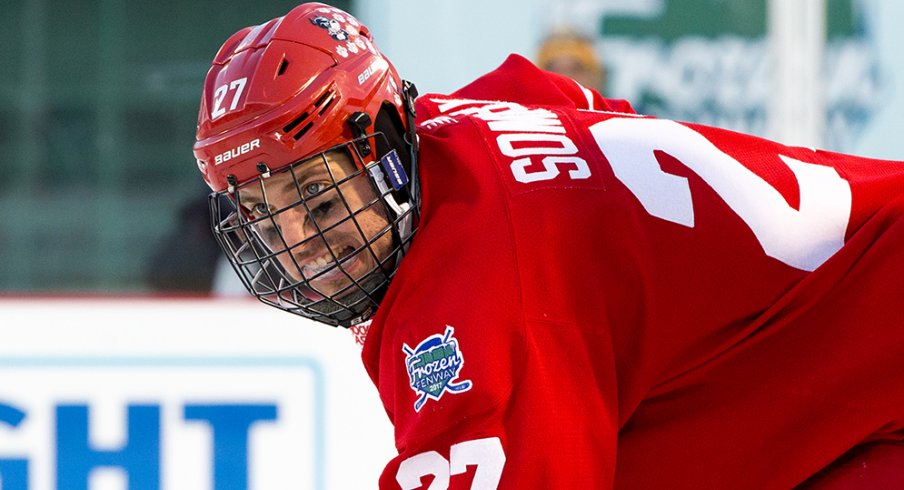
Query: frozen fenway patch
x,y
433,367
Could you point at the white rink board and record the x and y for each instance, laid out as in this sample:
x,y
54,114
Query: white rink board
x,y
182,392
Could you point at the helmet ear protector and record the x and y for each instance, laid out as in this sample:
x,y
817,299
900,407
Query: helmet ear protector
x,y
309,91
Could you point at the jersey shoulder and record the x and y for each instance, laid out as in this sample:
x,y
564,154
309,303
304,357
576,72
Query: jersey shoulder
x,y
517,80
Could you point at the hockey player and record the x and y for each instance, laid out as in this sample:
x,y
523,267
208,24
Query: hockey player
x,y
564,294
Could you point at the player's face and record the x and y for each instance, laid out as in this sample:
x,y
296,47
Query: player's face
x,y
312,222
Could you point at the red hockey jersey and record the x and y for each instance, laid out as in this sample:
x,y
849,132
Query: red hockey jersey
x,y
596,299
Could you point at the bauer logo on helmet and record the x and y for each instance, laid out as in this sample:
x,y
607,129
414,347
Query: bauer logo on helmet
x,y
237,151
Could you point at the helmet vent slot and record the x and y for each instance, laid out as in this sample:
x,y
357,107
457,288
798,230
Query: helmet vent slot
x,y
282,67
305,120
295,122
329,102
304,130
323,97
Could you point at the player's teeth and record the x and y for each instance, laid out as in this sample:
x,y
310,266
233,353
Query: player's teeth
x,y
318,264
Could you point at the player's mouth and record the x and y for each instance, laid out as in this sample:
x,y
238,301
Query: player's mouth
x,y
324,269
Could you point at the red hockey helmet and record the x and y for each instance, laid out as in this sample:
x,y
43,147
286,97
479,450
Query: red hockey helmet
x,y
291,91
286,89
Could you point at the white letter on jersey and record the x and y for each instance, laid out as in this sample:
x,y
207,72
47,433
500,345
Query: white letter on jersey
x,y
535,144
551,169
803,238
487,454
542,144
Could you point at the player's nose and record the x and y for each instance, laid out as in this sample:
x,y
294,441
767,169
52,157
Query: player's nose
x,y
300,232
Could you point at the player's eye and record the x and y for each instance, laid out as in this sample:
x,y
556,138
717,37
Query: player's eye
x,y
313,188
260,209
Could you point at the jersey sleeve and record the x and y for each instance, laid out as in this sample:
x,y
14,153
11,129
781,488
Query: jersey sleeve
x,y
484,401
479,396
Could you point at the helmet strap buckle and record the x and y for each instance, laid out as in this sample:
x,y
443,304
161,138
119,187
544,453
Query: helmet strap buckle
x,y
359,122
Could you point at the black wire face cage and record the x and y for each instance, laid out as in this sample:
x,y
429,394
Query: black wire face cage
x,y
322,237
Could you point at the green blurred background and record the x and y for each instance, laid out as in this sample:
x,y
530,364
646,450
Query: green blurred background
x,y
98,107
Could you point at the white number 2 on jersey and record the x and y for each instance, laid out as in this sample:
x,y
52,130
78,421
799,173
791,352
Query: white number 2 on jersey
x,y
486,454
802,238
